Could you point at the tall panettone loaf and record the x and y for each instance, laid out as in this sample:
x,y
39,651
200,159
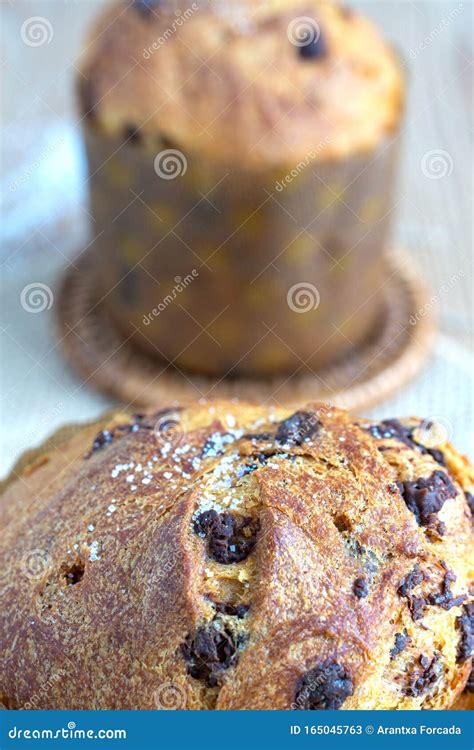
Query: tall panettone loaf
x,y
233,556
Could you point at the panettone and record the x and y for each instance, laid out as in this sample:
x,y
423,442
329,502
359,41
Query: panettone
x,y
235,80
232,556
241,165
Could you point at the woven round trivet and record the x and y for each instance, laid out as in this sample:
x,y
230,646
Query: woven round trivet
x,y
371,374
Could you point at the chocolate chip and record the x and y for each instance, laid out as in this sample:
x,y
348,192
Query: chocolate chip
x,y
445,597
411,580
393,428
131,134
232,610
313,46
470,682
470,501
258,436
465,623
361,587
325,687
401,642
422,680
242,471
215,444
145,7
105,437
261,459
230,538
298,429
426,496
416,604
74,573
209,652
436,454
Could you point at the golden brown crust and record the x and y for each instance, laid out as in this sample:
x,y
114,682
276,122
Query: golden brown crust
x,y
230,83
113,590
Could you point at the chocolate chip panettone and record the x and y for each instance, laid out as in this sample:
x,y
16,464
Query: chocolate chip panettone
x,y
232,556
241,159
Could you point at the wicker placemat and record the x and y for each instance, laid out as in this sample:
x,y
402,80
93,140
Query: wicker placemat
x,y
98,352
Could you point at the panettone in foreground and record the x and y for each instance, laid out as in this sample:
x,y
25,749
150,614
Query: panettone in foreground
x,y
233,556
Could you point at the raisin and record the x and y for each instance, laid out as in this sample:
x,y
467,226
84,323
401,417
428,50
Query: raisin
x,y
470,501
313,45
426,496
325,687
230,538
401,642
298,429
209,652
361,587
465,623
422,680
